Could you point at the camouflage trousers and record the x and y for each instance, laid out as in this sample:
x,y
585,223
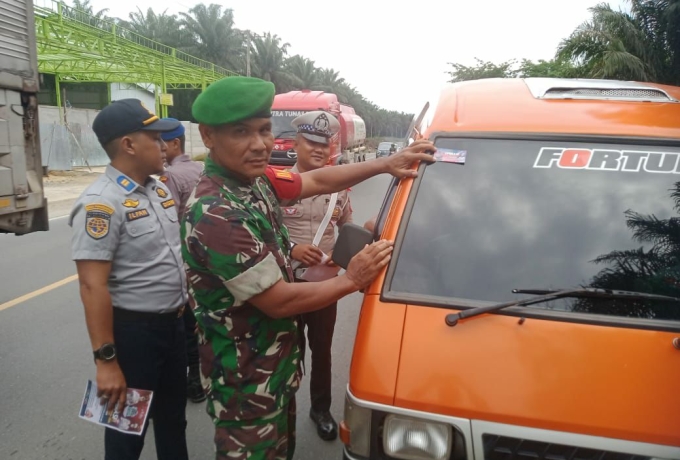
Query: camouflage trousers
x,y
267,438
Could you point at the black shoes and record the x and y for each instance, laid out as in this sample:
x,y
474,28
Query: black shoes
x,y
194,388
325,425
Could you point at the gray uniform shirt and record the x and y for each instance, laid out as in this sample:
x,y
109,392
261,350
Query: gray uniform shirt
x,y
181,176
135,227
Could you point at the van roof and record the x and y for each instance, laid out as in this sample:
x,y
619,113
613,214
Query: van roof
x,y
552,105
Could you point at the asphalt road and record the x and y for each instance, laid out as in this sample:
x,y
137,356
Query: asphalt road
x,y
45,356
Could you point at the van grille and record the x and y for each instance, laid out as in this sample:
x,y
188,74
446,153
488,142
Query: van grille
x,y
627,93
506,448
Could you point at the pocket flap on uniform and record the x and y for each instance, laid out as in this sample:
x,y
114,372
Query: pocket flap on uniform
x,y
139,222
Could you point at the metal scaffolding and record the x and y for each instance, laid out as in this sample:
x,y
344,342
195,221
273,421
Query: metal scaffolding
x,y
75,46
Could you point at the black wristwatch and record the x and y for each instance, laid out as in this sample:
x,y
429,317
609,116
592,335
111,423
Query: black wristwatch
x,y
107,352
292,245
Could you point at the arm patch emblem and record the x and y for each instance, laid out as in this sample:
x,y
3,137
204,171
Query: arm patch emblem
x,y
283,174
98,220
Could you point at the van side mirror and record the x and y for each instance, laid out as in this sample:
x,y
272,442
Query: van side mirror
x,y
351,241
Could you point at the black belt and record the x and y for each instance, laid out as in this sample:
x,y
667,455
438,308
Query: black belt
x,y
131,315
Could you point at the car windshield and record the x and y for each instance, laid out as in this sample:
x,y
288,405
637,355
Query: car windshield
x,y
384,146
281,123
498,215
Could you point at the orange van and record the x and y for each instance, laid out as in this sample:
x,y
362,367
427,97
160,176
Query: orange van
x,y
531,309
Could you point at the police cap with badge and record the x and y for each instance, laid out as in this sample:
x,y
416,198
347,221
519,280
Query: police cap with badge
x,y
317,126
127,116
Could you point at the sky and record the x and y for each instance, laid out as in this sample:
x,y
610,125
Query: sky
x,y
396,56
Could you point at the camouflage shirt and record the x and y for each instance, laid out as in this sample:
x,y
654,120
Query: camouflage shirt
x,y
235,246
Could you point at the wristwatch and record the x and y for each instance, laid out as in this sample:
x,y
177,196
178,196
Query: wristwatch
x,y
107,352
292,245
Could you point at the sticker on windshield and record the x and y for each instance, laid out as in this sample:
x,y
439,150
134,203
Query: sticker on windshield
x,y
450,155
608,160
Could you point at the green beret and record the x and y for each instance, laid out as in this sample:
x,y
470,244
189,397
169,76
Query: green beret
x,y
233,99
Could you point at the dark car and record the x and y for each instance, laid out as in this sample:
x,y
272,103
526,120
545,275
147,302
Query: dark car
x,y
383,149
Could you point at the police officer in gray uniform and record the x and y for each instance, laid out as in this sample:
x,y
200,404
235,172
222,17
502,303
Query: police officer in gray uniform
x,y
181,173
126,246
180,176
312,223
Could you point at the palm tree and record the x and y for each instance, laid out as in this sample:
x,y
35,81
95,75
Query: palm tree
x,y
661,19
267,61
213,35
348,94
655,270
81,11
304,71
329,80
162,28
641,45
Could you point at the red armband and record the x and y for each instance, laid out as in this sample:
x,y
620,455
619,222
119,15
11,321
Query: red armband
x,y
286,184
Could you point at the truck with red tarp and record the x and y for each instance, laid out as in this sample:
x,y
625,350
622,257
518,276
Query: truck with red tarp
x,y
347,147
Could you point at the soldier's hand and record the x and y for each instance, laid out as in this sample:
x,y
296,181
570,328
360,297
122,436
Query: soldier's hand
x,y
307,254
365,266
111,384
400,163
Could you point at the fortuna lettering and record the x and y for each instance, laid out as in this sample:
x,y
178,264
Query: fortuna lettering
x,y
609,160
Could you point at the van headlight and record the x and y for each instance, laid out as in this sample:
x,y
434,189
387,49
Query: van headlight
x,y
413,439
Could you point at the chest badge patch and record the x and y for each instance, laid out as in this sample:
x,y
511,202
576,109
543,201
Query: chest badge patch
x,y
290,211
131,203
168,204
138,214
161,193
98,220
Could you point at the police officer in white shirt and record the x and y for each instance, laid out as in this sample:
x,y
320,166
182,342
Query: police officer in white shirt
x,y
126,246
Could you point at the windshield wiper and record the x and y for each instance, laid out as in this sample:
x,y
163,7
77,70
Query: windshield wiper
x,y
546,295
597,292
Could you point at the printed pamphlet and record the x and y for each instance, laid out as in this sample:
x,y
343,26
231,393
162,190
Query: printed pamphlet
x,y
130,420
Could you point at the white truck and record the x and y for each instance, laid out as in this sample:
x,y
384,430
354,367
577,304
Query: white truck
x,y
23,206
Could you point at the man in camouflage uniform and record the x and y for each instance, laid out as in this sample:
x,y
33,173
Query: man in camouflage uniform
x,y
237,258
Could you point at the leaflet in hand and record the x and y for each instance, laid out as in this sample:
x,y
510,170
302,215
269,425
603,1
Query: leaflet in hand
x,y
321,272
450,155
130,420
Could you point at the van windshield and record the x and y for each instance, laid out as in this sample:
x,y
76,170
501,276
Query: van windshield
x,y
529,214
